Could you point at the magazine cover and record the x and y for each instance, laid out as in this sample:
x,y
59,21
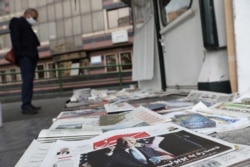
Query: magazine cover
x,y
194,121
172,147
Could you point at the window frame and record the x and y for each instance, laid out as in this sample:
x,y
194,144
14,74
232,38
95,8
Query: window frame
x,y
163,4
120,60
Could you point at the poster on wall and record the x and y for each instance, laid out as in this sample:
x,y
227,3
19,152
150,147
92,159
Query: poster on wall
x,y
96,60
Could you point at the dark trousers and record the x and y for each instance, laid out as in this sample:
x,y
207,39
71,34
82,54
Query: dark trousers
x,y
27,67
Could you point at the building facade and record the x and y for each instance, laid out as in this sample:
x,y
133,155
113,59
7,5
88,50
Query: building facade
x,y
73,34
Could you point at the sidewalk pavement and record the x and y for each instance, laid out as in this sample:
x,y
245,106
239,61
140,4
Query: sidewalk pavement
x,y
18,130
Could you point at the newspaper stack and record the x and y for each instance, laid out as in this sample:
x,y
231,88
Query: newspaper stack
x,y
79,137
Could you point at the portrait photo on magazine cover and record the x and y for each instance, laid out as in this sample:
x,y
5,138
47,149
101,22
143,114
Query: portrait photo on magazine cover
x,y
169,150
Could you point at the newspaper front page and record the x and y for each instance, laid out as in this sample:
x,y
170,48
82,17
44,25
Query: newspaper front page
x,y
166,145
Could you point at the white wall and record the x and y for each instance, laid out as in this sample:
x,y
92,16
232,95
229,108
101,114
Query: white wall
x,y
242,42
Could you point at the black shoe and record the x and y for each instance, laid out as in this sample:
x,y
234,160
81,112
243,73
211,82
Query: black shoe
x,y
29,111
36,107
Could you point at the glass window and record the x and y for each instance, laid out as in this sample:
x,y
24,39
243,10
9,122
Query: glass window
x,y
123,12
2,12
50,1
75,7
43,31
3,76
51,72
66,9
98,21
96,5
59,29
112,19
51,12
53,45
18,5
124,17
87,24
33,4
42,3
58,10
209,30
171,9
119,17
40,72
126,61
13,75
5,41
24,4
78,41
84,64
12,6
111,61
68,27
69,43
60,45
85,6
77,28
42,15
52,30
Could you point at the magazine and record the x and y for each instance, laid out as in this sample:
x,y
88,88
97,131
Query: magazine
x,y
224,121
194,121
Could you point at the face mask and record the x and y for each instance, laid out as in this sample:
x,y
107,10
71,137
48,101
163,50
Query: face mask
x,y
31,20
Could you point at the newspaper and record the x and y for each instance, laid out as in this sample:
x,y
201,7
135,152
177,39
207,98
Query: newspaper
x,y
118,107
163,107
125,94
80,113
65,153
232,109
139,116
207,97
34,154
177,147
147,127
72,131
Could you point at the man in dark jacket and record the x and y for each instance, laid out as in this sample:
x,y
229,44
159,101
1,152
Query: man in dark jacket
x,y
25,43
